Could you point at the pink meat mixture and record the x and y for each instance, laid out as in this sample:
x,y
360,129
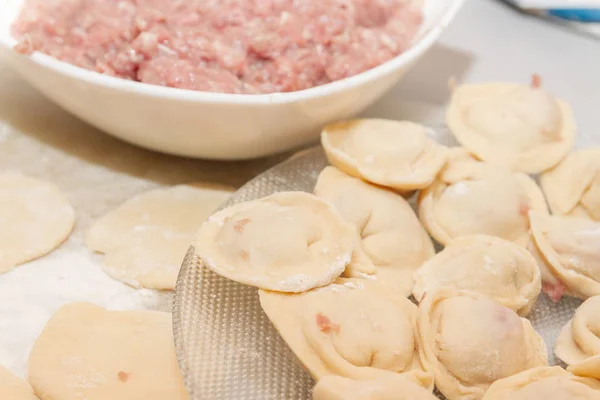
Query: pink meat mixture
x,y
227,46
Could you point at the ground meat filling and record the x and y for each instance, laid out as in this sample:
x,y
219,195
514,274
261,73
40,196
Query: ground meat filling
x,y
226,46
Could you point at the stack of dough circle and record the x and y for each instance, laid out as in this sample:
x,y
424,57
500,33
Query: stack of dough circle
x,y
517,126
13,388
573,186
391,236
351,328
471,197
469,341
86,352
544,383
36,218
568,252
395,154
145,239
288,242
497,268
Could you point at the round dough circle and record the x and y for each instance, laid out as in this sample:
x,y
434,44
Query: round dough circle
x,y
38,214
86,352
13,388
146,238
579,339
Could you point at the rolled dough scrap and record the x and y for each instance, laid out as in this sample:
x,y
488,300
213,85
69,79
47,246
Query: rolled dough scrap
x,y
146,238
86,352
35,218
13,388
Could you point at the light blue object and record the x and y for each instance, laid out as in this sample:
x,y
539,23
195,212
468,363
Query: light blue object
x,y
580,15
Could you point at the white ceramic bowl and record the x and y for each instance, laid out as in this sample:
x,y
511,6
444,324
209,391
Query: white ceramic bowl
x,y
213,125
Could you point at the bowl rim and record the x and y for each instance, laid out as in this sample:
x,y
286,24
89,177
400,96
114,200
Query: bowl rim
x,y
187,95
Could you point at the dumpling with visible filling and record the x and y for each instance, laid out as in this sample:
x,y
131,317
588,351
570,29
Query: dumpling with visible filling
x,y
573,186
352,328
395,154
471,197
469,341
391,236
497,268
568,251
288,242
521,127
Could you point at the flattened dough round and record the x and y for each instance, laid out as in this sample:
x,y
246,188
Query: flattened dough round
x,y
523,128
544,383
579,339
287,242
573,186
145,239
38,214
395,154
86,352
13,388
391,236
497,268
468,342
352,328
470,197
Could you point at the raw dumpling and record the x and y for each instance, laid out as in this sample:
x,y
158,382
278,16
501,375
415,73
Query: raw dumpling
x,y
521,127
573,186
407,386
471,197
392,237
13,388
287,242
352,328
497,268
589,368
567,249
35,218
544,383
86,352
145,239
579,339
395,154
469,341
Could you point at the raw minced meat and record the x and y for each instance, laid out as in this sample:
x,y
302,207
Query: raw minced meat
x,y
227,46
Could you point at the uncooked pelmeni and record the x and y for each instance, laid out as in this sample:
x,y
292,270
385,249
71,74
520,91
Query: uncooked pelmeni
x,y
573,186
288,242
391,236
579,339
518,126
544,383
396,154
86,352
567,251
471,197
407,386
497,268
145,239
588,368
468,342
35,218
352,328
13,388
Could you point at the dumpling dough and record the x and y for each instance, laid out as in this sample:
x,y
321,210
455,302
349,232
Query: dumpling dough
x,y
469,341
589,368
544,383
35,218
391,387
517,126
352,328
288,242
568,254
579,339
86,352
497,268
13,388
573,186
395,154
146,238
391,235
471,197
